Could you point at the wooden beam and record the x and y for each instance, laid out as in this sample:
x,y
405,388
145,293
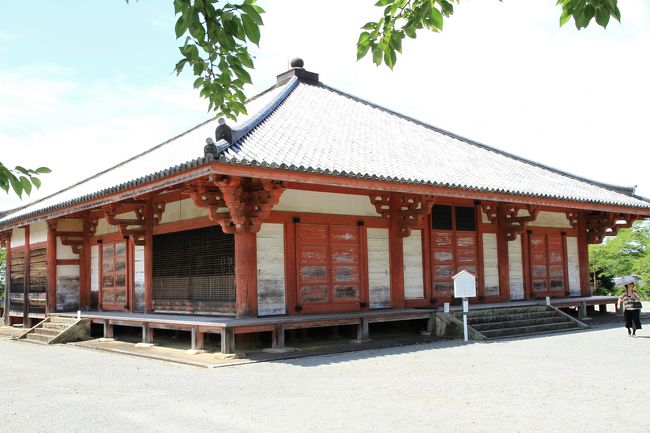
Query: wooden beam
x,y
51,267
502,252
148,256
26,280
583,254
246,274
84,267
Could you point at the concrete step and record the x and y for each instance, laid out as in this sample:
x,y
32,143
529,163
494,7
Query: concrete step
x,y
57,326
526,330
514,316
48,332
517,323
38,338
63,320
508,311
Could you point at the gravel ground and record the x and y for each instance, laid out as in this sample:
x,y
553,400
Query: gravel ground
x,y
590,381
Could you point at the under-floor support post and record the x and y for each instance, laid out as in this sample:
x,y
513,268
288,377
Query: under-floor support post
x,y
583,310
108,329
278,337
363,330
431,324
227,340
147,334
198,339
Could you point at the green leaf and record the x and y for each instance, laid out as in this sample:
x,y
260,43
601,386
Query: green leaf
x,y
16,185
43,170
602,17
251,29
377,55
362,50
180,27
36,181
27,185
245,60
436,17
389,57
564,18
381,3
178,68
252,13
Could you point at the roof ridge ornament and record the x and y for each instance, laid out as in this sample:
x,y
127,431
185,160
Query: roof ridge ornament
x,y
224,138
298,70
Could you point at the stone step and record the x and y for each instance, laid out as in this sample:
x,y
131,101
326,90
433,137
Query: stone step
x,y
517,323
38,338
509,310
48,332
59,319
515,316
57,326
526,330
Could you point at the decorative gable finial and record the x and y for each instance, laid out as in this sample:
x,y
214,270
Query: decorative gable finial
x,y
210,149
223,131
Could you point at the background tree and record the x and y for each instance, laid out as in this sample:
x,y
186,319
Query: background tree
x,y
627,253
20,179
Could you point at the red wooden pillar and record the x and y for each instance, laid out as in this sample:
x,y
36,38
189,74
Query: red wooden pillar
x,y
246,274
148,256
84,267
26,283
396,256
50,259
502,253
583,255
7,319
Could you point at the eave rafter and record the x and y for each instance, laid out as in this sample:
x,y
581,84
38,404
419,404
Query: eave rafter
x,y
248,201
412,209
601,224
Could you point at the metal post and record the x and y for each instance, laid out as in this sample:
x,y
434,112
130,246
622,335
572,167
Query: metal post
x,y
465,312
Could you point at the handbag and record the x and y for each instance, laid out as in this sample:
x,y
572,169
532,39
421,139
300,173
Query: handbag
x,y
637,305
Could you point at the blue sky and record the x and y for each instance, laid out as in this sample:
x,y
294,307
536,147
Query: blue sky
x,y
84,85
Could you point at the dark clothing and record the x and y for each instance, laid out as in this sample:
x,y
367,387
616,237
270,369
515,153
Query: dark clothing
x,y
633,319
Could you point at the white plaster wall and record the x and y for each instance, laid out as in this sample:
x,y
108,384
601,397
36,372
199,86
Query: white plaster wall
x,y
325,202
182,210
138,277
94,268
551,219
38,232
104,228
573,265
17,238
516,269
64,252
490,264
378,268
270,270
413,274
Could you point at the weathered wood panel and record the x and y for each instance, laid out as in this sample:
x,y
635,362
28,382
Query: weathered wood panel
x,y
573,265
37,270
182,210
490,264
516,269
550,219
138,280
38,232
271,289
378,268
413,273
325,202
67,287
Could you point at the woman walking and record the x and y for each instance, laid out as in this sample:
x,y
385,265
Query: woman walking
x,y
631,301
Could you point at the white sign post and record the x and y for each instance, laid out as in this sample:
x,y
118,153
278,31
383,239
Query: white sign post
x,y
464,287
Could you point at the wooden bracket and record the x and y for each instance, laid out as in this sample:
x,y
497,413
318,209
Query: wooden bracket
x,y
249,201
412,209
132,227
572,216
517,224
601,224
72,239
490,209
158,210
5,238
52,224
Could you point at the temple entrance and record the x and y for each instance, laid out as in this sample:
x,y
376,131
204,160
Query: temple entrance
x,y
194,271
328,268
114,281
547,264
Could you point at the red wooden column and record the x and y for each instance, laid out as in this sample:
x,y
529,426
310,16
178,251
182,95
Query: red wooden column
x,y
148,256
26,280
583,254
50,259
396,254
7,240
502,253
84,267
246,274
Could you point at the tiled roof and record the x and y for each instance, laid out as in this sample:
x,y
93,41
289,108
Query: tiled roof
x,y
307,126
